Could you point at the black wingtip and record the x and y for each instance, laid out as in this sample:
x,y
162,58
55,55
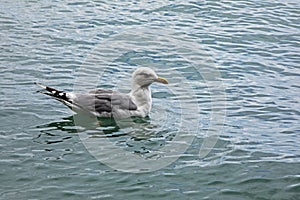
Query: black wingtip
x,y
42,86
58,94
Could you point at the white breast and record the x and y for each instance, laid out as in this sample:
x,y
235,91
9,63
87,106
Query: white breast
x,y
143,100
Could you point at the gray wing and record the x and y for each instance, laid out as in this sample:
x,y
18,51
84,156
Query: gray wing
x,y
101,101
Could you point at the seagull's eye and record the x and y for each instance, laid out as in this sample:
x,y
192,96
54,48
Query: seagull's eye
x,y
145,75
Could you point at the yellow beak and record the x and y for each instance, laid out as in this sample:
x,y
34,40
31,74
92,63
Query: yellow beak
x,y
162,80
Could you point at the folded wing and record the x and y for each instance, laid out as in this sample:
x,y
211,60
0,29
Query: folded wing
x,y
103,103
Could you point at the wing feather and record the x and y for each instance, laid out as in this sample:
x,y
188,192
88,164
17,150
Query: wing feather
x,y
104,101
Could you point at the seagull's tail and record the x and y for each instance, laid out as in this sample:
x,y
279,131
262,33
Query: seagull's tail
x,y
57,94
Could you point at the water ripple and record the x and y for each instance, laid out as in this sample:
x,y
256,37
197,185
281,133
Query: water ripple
x,y
255,45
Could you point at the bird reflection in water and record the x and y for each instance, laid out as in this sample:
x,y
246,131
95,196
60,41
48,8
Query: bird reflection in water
x,y
135,127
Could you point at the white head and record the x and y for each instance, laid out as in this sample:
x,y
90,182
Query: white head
x,y
145,76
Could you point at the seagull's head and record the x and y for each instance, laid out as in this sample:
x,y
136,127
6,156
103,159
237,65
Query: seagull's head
x,y
145,76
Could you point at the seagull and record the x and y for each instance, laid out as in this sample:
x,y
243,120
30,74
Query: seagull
x,y
108,103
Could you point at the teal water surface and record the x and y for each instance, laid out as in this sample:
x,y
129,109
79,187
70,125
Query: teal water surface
x,y
253,45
